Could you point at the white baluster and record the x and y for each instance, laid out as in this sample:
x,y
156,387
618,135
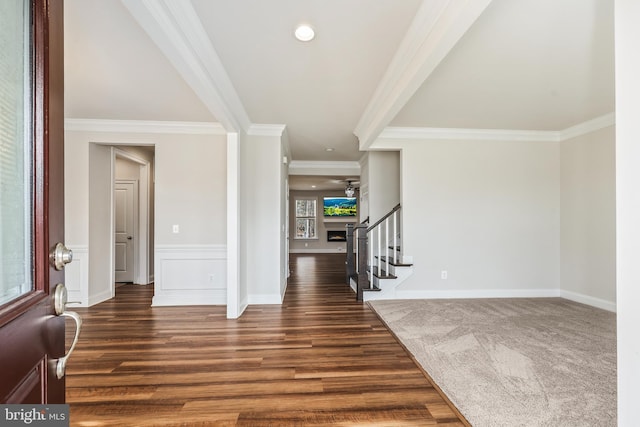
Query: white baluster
x,y
355,246
386,243
395,237
371,251
379,248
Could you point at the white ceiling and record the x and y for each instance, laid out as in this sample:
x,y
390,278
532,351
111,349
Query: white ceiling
x,y
524,64
113,70
321,183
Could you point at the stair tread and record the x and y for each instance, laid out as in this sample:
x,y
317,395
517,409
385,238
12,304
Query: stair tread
x,y
395,264
383,275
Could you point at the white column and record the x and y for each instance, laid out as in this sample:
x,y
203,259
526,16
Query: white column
x,y
627,34
233,226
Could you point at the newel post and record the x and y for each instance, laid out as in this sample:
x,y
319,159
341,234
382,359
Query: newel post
x,y
363,278
351,268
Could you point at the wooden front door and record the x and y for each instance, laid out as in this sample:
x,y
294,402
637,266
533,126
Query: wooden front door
x,y
31,200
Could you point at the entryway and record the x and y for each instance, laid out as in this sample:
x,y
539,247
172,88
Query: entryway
x,y
132,219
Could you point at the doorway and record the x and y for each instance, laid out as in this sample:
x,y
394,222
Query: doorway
x,y
100,283
132,217
126,218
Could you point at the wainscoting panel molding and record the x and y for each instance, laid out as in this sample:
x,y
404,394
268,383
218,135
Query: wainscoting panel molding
x,y
190,275
76,277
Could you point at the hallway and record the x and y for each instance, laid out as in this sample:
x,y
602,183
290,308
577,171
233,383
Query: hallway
x,y
319,359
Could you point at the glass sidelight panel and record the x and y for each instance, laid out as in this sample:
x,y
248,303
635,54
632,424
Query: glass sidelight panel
x,y
15,150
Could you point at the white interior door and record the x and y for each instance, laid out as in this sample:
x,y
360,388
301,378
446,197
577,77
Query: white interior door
x,y
125,201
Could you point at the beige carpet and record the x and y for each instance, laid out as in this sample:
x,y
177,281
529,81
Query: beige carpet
x,y
514,362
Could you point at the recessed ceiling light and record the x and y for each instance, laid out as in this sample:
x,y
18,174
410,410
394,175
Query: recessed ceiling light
x,y
313,186
304,33
329,149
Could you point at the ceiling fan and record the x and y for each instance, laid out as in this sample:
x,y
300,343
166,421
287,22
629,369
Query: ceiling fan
x,y
350,186
354,181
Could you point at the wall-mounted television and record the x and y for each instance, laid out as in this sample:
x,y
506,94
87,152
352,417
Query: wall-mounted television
x,y
339,207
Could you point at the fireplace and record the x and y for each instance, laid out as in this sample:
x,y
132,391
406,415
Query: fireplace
x,y
336,236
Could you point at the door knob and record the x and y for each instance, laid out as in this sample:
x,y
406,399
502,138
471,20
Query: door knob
x,y
61,256
60,303
129,238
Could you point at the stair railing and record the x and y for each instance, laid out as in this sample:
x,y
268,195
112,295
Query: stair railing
x,y
352,249
367,242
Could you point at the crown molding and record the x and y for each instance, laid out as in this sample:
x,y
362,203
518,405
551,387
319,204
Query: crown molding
x,y
415,133
179,34
467,134
266,130
143,126
309,167
435,30
588,126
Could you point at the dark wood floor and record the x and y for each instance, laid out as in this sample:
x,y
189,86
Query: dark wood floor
x,y
319,359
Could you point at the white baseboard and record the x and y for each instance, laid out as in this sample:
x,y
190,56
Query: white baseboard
x,y
98,298
243,306
479,293
191,298
317,251
353,285
506,293
592,301
273,299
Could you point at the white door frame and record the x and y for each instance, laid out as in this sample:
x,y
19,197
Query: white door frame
x,y
141,255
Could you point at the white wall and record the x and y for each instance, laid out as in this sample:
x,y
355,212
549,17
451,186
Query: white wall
x,y
191,191
511,218
261,215
627,34
100,236
363,196
190,182
487,212
384,183
588,224
284,206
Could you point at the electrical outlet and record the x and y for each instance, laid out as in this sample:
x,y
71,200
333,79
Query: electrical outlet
x,y
444,274
212,277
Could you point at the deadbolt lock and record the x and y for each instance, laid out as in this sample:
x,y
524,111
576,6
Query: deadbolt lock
x,y
61,256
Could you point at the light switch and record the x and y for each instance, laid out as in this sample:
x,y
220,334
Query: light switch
x,y
176,228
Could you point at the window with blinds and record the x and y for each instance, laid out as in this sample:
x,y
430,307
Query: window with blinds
x,y
15,150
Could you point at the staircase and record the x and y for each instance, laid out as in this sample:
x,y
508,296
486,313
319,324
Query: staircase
x,y
375,264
